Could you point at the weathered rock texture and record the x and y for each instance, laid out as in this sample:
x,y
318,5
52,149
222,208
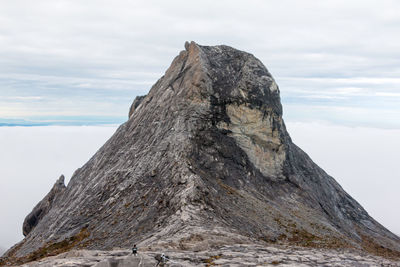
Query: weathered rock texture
x,y
204,160
233,256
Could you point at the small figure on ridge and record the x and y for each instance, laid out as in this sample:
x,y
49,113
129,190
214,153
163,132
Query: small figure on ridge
x,y
134,250
161,259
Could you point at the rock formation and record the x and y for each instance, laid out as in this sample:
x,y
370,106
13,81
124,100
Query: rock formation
x,y
43,207
135,104
204,160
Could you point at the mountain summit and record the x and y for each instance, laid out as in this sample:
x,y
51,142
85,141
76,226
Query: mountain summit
x,y
204,160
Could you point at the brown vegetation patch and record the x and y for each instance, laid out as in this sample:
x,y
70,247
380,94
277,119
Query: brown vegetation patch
x,y
369,245
11,253
300,237
50,249
210,260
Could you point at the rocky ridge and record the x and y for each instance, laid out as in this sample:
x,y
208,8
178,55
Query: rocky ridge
x,y
204,161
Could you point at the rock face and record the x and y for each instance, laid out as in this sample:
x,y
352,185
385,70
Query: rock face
x,y
135,104
43,207
204,160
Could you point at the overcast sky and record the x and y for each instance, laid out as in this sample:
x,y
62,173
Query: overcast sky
x,y
82,63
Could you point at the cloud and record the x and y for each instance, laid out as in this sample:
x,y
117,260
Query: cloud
x,y
353,116
32,160
363,161
83,53
388,94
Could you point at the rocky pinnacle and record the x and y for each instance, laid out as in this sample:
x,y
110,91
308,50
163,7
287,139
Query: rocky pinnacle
x,y
204,160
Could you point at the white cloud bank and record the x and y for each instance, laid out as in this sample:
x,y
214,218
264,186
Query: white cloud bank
x,y
362,160
32,159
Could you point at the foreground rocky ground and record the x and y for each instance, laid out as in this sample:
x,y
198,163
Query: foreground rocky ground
x,y
235,255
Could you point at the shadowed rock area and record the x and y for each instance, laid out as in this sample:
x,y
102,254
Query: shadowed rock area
x,y
203,162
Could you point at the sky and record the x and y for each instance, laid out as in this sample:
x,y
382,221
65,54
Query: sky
x,y
80,64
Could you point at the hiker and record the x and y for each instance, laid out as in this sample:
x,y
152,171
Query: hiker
x,y
161,259
134,250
